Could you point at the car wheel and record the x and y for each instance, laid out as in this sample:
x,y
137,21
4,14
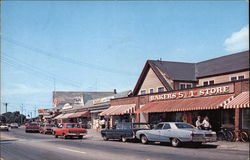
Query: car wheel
x,y
175,142
144,139
56,136
105,138
124,139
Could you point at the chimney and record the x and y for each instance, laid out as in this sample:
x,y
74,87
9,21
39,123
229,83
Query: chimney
x,y
115,91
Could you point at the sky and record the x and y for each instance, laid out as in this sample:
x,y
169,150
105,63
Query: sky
x,y
101,46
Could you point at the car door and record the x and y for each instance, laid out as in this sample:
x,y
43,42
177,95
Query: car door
x,y
154,134
165,133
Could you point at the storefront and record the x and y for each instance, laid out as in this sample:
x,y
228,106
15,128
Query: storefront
x,y
226,105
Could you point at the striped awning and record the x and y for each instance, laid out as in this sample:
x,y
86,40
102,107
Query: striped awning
x,y
58,117
65,116
189,104
79,114
119,110
240,101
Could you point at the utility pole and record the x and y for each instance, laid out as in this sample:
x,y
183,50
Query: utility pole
x,y
6,106
35,112
22,114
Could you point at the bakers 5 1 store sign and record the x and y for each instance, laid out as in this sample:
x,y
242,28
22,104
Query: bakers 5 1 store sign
x,y
199,92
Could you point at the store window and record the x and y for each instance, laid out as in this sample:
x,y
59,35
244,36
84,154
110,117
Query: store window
x,y
151,90
182,86
228,118
240,77
211,82
161,89
245,118
143,92
233,78
185,85
205,83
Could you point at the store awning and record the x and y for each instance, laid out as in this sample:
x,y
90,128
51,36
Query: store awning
x,y
119,110
189,104
65,116
79,114
58,117
240,101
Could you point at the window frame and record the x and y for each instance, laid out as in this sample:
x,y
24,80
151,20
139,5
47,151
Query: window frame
x,y
159,88
142,91
150,90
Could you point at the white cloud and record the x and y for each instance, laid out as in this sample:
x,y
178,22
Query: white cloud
x,y
238,41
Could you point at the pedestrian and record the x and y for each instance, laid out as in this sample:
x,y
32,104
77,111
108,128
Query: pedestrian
x,y
206,123
198,123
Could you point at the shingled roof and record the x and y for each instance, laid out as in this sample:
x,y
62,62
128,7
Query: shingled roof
x,y
225,64
182,71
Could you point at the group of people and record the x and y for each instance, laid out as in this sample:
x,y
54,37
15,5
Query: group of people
x,y
205,125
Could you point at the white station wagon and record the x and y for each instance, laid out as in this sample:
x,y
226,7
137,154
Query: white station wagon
x,y
176,133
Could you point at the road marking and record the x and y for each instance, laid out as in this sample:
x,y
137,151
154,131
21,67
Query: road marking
x,y
71,150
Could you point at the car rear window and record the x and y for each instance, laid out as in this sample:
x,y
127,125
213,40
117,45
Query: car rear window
x,y
183,125
33,124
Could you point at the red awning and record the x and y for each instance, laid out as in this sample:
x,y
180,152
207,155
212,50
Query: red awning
x,y
119,110
58,116
65,116
189,104
79,114
240,101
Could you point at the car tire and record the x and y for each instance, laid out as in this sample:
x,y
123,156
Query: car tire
x,y
175,142
124,139
144,139
56,136
104,137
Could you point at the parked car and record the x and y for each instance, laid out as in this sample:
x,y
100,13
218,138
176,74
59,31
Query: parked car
x,y
124,131
176,133
32,127
70,130
4,127
46,128
14,125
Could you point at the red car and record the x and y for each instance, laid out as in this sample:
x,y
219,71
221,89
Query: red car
x,y
46,128
32,127
70,130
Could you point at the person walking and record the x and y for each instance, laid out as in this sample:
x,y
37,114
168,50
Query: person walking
x,y
198,123
206,123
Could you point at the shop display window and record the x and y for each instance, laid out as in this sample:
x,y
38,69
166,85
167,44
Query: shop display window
x,y
245,118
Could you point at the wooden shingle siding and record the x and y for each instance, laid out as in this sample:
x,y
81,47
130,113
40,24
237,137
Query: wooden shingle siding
x,y
151,82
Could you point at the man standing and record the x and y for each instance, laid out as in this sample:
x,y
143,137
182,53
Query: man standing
x,y
198,123
206,123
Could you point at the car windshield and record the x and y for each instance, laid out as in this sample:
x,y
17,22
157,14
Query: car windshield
x,y
183,125
141,126
73,126
33,124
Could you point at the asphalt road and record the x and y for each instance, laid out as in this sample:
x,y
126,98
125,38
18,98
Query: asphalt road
x,y
35,146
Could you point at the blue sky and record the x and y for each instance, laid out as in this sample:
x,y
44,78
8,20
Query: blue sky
x,y
99,46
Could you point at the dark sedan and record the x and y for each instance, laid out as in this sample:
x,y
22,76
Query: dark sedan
x,y
124,131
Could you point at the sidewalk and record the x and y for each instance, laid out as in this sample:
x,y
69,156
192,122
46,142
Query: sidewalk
x,y
93,134
241,146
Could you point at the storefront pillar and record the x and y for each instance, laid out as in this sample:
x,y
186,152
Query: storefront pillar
x,y
137,117
237,122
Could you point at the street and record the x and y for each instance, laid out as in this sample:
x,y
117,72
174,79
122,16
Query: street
x,y
17,144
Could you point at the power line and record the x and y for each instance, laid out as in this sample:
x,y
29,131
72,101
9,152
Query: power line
x,y
33,69
68,59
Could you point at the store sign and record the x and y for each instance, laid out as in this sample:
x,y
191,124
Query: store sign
x,y
102,100
199,92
